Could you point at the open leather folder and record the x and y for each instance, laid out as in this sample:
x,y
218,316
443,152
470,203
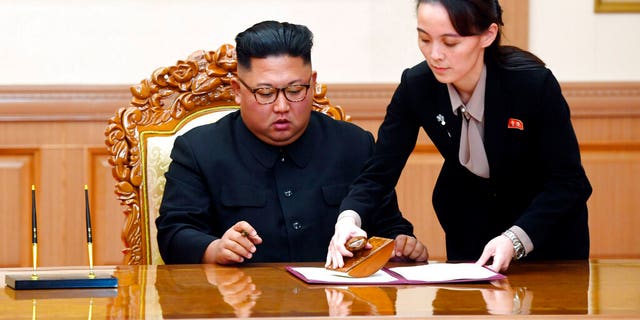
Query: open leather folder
x,y
366,262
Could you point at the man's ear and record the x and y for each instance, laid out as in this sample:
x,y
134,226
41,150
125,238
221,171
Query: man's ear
x,y
235,86
313,82
489,35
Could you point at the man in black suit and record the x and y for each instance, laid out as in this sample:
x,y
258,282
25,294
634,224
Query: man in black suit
x,y
265,183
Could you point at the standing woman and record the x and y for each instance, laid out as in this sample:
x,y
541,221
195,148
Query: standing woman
x,y
512,185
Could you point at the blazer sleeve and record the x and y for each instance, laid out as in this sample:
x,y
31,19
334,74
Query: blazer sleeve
x,y
386,220
183,231
396,139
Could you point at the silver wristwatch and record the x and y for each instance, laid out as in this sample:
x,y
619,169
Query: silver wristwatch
x,y
517,244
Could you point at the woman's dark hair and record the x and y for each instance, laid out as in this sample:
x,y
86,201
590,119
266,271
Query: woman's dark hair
x,y
472,17
273,38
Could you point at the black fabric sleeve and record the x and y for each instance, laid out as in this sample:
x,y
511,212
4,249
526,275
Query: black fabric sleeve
x,y
387,220
183,231
396,139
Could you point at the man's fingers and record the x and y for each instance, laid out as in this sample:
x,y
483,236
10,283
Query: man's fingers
x,y
237,244
246,230
255,239
244,235
226,256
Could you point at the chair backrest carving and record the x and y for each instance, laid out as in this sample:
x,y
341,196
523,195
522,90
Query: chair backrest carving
x,y
140,136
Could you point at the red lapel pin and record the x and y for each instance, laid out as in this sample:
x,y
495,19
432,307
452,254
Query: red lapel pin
x,y
515,124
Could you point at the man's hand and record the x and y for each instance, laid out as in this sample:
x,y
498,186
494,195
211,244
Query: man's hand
x,y
237,243
346,229
501,249
409,248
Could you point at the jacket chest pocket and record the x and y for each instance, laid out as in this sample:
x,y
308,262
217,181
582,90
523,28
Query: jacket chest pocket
x,y
243,196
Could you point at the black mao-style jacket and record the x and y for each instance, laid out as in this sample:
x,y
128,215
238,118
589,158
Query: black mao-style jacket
x,y
221,173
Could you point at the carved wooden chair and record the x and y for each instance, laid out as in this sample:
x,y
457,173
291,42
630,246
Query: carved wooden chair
x,y
140,136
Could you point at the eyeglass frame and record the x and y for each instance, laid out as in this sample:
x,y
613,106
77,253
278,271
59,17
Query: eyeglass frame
x,y
283,89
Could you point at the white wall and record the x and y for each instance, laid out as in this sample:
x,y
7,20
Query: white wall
x,y
356,41
579,45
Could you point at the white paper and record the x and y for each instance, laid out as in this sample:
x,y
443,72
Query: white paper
x,y
444,272
326,275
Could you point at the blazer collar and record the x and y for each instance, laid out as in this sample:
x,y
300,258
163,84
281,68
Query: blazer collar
x,y
496,119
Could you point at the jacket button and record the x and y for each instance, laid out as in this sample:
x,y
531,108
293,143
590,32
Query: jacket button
x,y
296,225
288,193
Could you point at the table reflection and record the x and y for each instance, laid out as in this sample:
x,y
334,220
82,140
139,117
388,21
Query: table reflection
x,y
577,289
361,301
236,287
500,299
238,292
269,291
506,300
187,293
534,290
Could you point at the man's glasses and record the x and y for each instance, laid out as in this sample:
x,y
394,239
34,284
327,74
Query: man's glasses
x,y
268,95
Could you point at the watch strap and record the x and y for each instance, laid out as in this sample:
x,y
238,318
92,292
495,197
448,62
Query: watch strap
x,y
518,247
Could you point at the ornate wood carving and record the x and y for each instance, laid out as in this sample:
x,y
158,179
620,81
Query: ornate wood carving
x,y
159,103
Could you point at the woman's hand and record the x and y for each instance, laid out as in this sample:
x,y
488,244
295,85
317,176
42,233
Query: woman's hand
x,y
345,229
501,249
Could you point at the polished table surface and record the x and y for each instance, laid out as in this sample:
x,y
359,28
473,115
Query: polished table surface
x,y
566,289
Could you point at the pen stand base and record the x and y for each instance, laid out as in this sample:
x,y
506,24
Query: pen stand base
x,y
61,281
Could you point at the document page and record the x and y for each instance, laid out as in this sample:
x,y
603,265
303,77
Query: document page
x,y
421,274
322,275
444,272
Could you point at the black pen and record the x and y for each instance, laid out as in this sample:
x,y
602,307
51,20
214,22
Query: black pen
x,y
34,233
89,237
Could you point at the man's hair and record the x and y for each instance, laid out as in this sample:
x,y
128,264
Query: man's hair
x,y
273,38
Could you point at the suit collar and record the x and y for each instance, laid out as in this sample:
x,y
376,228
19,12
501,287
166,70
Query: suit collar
x,y
300,151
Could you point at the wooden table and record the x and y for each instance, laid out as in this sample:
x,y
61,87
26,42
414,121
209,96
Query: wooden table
x,y
572,289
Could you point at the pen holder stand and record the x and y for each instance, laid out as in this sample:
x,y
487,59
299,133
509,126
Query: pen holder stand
x,y
59,281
